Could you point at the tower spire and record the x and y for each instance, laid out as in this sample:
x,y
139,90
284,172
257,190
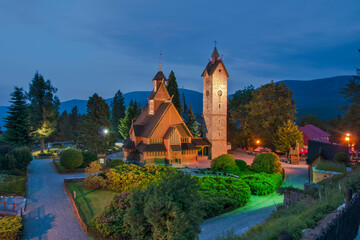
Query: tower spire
x,y
215,54
160,62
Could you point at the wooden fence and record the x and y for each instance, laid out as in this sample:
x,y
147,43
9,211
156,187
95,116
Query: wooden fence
x,y
345,225
10,208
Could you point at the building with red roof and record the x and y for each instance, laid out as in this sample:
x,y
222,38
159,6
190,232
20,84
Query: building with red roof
x,y
312,133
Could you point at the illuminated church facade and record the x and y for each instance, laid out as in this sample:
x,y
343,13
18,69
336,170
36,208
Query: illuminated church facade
x,y
160,132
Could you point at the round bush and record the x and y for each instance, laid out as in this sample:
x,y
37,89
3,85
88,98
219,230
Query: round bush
x,y
116,162
220,194
241,164
223,162
71,159
260,184
341,157
267,162
89,157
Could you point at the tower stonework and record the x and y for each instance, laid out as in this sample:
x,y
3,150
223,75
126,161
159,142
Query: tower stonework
x,y
215,104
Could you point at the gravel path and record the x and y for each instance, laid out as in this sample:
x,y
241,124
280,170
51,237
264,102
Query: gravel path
x,y
257,210
49,213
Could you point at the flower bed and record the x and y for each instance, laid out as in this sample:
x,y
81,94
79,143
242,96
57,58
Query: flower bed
x,y
10,227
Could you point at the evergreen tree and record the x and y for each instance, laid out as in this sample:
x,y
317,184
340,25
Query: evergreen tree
x,y
75,120
173,90
17,123
191,123
63,128
94,133
287,135
271,105
132,113
44,107
117,111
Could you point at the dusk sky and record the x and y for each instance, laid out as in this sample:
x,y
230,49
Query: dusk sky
x,y
103,46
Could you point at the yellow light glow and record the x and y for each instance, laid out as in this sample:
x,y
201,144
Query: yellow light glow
x,y
347,139
257,141
348,134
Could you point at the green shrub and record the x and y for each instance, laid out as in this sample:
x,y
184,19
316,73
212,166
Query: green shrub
x,y
4,149
23,157
10,227
7,161
125,178
167,210
223,162
260,184
222,193
331,166
71,159
341,157
160,161
89,157
116,162
110,222
267,162
241,164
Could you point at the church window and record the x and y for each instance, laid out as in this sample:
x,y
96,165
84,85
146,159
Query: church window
x,y
219,106
219,70
207,93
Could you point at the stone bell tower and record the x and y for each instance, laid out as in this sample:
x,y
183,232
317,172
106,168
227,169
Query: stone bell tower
x,y
215,104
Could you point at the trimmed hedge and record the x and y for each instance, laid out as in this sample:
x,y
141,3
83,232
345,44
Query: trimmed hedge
x,y
116,162
125,178
219,194
263,184
223,162
71,159
89,157
267,162
241,164
10,227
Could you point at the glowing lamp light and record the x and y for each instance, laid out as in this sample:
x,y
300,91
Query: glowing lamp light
x,y
106,131
347,139
257,141
348,134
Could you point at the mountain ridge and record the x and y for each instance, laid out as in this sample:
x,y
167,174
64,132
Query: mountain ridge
x,y
320,97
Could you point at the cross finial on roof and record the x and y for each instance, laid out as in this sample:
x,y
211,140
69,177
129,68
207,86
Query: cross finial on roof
x,y
215,54
215,42
160,62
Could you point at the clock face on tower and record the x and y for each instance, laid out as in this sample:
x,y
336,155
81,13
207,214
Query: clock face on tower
x,y
219,92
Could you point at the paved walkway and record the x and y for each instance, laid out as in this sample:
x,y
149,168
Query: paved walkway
x,y
49,213
257,210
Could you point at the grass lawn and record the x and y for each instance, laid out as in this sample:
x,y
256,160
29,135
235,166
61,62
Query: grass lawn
x,y
90,202
12,184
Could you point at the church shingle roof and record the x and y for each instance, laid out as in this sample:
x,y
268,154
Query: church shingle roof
x,y
146,123
160,76
211,67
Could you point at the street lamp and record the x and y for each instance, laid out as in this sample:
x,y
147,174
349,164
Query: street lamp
x,y
257,142
106,131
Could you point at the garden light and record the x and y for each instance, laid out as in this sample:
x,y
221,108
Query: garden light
x,y
106,131
347,139
257,141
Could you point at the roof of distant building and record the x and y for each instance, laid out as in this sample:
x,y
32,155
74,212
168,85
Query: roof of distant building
x,y
315,133
327,150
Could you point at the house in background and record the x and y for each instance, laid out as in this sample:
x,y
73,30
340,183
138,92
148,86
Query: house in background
x,y
312,133
322,151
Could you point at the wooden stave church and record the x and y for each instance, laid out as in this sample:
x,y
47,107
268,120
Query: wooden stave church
x,y
160,132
